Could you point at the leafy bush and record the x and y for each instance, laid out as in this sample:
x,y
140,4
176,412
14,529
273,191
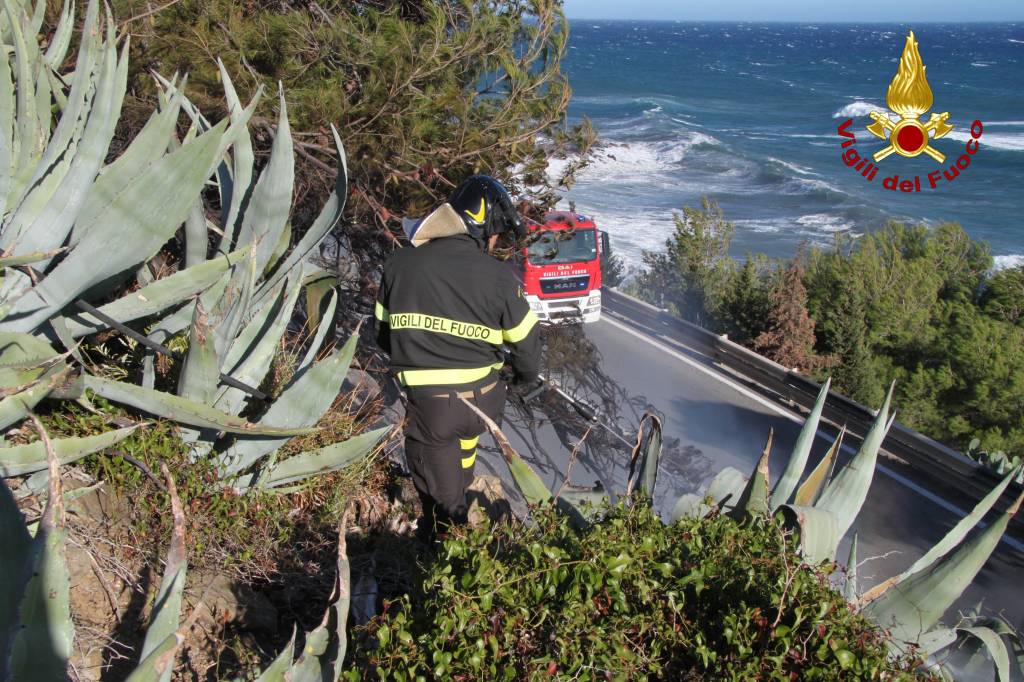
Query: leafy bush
x,y
626,598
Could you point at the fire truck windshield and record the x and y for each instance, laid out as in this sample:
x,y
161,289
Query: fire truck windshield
x,y
563,246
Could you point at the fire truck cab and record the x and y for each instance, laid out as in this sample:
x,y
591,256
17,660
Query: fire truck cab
x,y
562,268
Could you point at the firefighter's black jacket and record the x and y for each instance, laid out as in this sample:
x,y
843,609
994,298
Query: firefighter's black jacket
x,y
445,309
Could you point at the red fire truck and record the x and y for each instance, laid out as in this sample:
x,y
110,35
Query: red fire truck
x,y
562,268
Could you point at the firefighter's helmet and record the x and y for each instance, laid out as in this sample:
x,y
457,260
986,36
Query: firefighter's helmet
x,y
486,208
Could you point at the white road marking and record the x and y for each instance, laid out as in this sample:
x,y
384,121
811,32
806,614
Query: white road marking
x,y
778,409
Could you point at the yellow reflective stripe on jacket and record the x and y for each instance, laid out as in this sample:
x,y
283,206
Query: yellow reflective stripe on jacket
x,y
380,312
468,443
521,330
444,377
443,325
468,461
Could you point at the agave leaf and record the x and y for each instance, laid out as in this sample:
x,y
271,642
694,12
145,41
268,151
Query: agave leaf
x,y
951,540
196,241
326,325
322,460
308,667
325,222
146,149
29,369
131,230
301,404
801,450
7,151
915,604
14,568
19,460
243,161
753,500
162,294
182,410
936,640
29,258
41,647
252,352
850,589
726,487
316,287
689,505
810,490
818,530
275,672
845,494
159,662
995,647
200,371
646,453
49,228
267,213
166,617
233,308
26,101
61,40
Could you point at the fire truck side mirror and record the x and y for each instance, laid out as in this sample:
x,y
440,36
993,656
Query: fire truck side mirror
x,y
606,248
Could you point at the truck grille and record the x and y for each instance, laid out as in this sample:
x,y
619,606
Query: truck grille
x,y
564,285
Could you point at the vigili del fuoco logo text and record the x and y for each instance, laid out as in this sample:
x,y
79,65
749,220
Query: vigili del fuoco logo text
x,y
909,97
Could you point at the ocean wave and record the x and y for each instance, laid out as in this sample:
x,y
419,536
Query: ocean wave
x,y
1010,261
982,64
858,108
1004,123
1012,142
824,222
802,170
639,161
1014,40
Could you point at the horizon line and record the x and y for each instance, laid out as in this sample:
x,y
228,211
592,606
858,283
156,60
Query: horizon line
x,y
804,21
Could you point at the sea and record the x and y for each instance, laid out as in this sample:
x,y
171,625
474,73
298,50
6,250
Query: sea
x,y
746,114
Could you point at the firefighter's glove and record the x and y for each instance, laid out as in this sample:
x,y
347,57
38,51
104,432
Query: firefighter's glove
x,y
529,390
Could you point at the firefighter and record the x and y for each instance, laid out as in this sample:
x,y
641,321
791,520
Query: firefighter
x,y
446,311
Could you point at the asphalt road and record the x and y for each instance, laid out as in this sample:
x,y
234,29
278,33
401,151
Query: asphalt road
x,y
712,421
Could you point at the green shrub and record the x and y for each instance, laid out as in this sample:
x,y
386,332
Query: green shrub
x,y
627,598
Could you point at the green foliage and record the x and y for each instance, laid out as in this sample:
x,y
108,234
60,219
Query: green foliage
x,y
627,598
916,304
1003,297
428,91
86,225
690,277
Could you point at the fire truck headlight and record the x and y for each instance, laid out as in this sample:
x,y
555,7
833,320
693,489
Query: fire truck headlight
x,y
536,306
594,300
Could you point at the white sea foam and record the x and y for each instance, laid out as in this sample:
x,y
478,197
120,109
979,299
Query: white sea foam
x,y
982,64
638,161
1013,142
1010,261
824,222
1004,123
1014,40
858,108
792,166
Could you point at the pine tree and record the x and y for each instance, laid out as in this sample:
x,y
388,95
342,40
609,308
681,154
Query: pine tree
x,y
790,339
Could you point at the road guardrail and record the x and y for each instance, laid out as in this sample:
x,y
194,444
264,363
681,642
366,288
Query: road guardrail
x,y
939,464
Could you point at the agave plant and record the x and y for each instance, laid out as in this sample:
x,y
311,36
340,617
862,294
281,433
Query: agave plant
x,y
820,510
36,630
76,232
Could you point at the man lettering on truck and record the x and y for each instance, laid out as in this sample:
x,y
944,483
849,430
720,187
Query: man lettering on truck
x,y
444,311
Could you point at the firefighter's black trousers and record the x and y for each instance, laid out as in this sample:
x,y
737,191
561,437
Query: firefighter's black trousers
x,y
441,439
